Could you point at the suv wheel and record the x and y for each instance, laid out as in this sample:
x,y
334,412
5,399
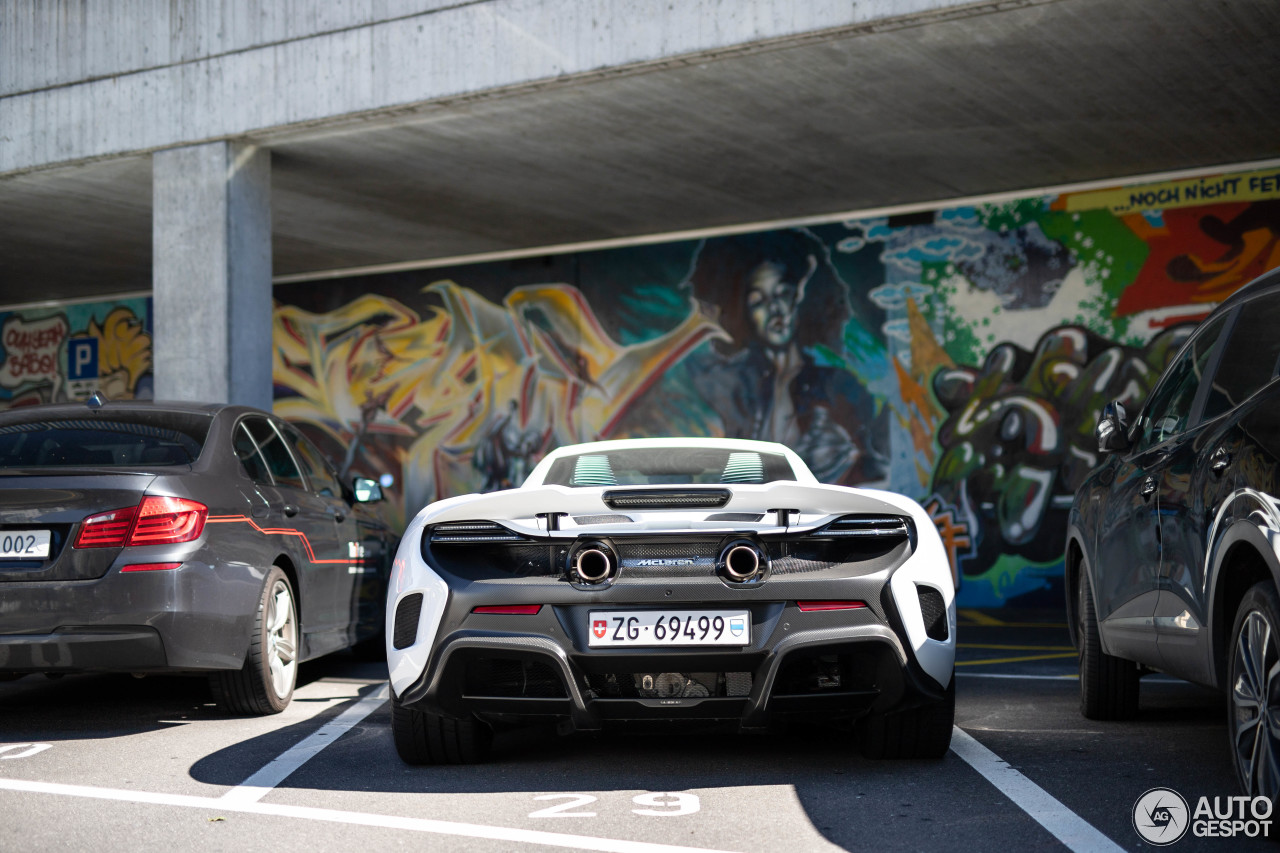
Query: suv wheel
x,y
1252,720
1108,685
425,738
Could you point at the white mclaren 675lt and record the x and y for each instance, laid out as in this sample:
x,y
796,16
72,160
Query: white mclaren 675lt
x,y
693,580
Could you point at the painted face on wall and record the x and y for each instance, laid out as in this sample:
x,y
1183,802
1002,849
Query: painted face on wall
x,y
772,302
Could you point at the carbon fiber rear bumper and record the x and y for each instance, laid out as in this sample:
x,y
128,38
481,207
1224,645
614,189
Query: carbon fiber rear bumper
x,y
837,665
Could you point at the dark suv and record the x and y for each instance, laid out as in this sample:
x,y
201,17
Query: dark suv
x,y
1173,543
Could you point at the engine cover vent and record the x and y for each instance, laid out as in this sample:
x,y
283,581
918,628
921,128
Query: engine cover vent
x,y
473,533
666,498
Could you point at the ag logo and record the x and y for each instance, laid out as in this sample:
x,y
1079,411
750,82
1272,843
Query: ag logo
x,y
598,627
1161,816
737,625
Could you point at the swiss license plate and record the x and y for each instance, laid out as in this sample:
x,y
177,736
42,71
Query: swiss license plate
x,y
668,628
22,544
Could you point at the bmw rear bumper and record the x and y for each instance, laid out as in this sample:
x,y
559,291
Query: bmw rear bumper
x,y
195,617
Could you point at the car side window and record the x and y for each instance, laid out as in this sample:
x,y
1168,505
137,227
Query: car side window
x,y
323,480
1168,412
1249,356
276,455
250,459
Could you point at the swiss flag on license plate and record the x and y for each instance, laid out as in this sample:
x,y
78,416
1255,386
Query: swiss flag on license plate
x,y
599,627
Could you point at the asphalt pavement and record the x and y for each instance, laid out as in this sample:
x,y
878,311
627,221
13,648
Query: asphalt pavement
x,y
114,763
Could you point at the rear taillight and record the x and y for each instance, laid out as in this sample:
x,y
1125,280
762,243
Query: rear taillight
x,y
106,529
155,521
167,521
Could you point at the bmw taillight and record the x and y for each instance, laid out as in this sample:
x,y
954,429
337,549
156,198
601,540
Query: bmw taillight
x,y
155,521
106,529
168,521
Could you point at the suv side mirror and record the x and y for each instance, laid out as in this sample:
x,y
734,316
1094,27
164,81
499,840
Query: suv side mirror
x,y
1113,428
366,490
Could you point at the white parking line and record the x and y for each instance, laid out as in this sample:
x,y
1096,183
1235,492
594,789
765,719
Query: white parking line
x,y
260,784
1072,677
437,827
1065,825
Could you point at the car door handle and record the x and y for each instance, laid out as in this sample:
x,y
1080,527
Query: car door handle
x,y
290,510
1219,461
1148,488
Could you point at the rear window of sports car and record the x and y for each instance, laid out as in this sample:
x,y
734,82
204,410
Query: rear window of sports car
x,y
653,466
174,439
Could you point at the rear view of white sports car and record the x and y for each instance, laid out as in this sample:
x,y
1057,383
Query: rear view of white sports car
x,y
666,580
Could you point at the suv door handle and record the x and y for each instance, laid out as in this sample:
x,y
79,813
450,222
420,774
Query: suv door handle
x,y
1219,461
1148,488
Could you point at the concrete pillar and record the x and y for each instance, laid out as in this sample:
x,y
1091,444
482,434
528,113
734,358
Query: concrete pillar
x,y
211,273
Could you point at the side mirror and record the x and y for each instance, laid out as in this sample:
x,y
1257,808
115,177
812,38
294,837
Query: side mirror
x,y
1113,428
366,490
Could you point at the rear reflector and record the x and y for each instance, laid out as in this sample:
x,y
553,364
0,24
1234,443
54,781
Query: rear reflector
x,y
150,567
510,609
809,606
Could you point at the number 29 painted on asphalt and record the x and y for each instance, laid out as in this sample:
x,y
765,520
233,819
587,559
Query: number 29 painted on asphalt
x,y
662,805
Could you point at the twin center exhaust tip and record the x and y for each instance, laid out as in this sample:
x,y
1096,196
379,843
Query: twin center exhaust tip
x,y
594,564
741,561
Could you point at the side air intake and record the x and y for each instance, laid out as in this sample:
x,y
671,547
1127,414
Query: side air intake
x,y
934,611
408,611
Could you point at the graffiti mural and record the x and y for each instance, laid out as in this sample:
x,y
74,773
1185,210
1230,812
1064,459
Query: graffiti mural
x,y
958,355
463,393
58,354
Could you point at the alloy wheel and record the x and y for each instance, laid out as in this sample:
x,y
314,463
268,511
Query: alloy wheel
x,y
1255,705
282,640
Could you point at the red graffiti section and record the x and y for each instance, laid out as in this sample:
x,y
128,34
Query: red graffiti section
x,y
1200,256
31,350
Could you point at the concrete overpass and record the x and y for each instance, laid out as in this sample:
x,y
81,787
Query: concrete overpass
x,y
197,150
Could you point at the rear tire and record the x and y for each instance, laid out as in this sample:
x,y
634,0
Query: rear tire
x,y
923,732
425,738
1108,685
264,685
1254,692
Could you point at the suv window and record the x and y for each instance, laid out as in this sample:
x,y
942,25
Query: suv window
x,y
1168,411
274,452
1248,357
313,462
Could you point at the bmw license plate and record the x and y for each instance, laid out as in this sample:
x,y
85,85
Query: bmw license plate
x,y
23,544
668,628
